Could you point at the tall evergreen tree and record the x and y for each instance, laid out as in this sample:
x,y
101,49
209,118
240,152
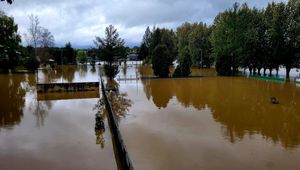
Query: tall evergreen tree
x,y
69,53
9,43
110,49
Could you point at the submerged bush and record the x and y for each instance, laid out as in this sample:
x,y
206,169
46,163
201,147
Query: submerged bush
x,y
111,70
31,63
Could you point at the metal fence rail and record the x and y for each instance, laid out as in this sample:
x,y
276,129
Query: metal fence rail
x,y
122,156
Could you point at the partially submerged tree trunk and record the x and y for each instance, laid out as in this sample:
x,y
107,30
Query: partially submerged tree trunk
x,y
250,70
265,69
270,74
287,75
258,70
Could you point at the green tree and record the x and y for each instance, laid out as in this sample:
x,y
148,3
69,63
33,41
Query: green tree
x,y
144,51
9,43
81,56
200,46
69,53
292,59
111,50
252,38
276,15
227,41
185,63
160,60
168,38
29,60
164,37
183,35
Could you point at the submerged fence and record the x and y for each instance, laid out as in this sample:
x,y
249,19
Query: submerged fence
x,y
122,156
67,87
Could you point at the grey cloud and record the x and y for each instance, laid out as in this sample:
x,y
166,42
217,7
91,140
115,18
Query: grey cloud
x,y
80,21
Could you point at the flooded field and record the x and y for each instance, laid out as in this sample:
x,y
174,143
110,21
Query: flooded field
x,y
196,123
212,123
52,131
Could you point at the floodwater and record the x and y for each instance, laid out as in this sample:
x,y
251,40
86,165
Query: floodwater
x,y
211,123
196,123
51,131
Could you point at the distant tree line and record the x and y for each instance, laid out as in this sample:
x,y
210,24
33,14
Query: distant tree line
x,y
40,48
240,37
189,45
8,1
257,39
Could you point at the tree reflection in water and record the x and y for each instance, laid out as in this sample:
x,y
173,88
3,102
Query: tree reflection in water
x,y
120,106
50,75
82,69
160,91
100,127
40,110
13,91
241,105
12,99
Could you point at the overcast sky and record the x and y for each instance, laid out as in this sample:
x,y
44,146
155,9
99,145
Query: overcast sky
x,y
80,21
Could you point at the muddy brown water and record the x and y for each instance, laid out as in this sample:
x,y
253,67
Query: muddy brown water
x,y
56,132
212,123
199,123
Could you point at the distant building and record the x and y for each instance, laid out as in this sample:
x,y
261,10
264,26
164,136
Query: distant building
x,y
133,57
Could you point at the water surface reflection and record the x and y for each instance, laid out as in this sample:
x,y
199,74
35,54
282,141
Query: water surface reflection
x,y
12,90
212,123
52,131
242,105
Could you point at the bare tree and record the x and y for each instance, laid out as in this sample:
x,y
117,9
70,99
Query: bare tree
x,y
40,38
34,31
46,38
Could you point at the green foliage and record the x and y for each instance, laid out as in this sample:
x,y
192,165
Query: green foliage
x,y
81,57
160,60
227,39
292,59
29,60
251,38
223,66
199,45
69,54
185,63
31,63
144,51
162,39
111,70
124,51
168,38
111,49
9,43
276,33
158,37
196,37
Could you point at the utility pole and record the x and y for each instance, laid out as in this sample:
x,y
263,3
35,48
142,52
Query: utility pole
x,y
61,58
201,59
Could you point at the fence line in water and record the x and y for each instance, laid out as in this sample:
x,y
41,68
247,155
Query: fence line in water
x,y
122,156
